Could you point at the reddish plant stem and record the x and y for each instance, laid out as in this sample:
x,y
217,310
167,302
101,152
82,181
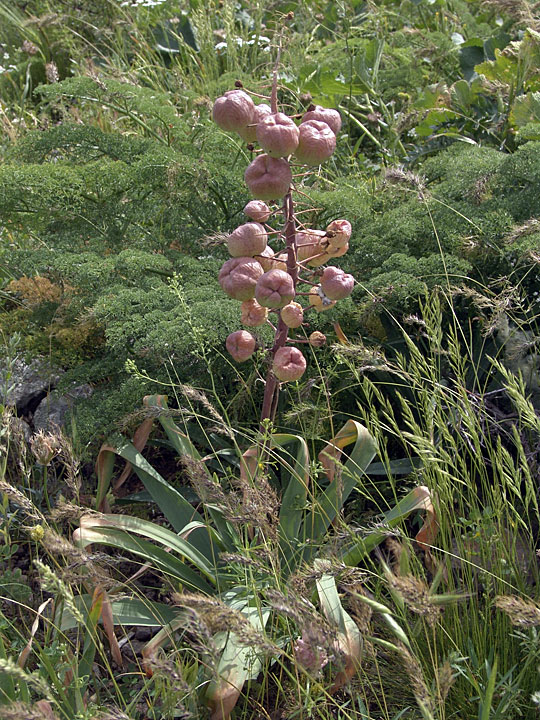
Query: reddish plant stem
x,y
271,390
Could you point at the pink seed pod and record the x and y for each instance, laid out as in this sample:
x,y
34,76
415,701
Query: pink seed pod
x,y
289,364
268,178
331,117
278,135
280,260
336,284
266,258
317,339
253,314
334,252
292,315
238,277
249,133
317,142
274,289
308,244
233,111
339,233
241,345
247,240
318,300
257,210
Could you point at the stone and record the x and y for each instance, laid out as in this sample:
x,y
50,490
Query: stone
x,y
28,382
55,409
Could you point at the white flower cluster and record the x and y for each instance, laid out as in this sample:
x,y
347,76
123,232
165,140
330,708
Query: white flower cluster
x,y
261,40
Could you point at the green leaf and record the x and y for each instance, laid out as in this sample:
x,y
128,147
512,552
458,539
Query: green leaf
x,y
238,663
349,638
178,511
120,531
329,503
526,109
127,611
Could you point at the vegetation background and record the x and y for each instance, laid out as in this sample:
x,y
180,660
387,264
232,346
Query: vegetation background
x,y
116,192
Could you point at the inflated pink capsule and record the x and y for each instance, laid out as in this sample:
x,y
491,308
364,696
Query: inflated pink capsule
x,y
292,315
233,111
257,210
247,240
268,178
316,143
308,244
274,289
289,364
278,135
266,258
253,314
317,339
238,277
318,300
249,133
241,345
331,117
339,233
336,284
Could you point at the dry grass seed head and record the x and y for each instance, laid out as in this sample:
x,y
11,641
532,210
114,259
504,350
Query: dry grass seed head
x,y
217,616
523,613
416,677
415,594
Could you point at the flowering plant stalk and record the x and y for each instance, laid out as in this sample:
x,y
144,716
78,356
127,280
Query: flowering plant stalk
x,y
264,279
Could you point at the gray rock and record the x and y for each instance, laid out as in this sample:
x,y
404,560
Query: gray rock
x,y
54,410
27,382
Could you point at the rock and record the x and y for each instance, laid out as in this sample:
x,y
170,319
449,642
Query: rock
x,y
28,382
53,411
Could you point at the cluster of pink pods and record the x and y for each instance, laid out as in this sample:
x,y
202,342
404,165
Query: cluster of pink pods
x,y
256,274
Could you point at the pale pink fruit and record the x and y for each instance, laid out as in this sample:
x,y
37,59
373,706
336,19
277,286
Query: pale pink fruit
x,y
249,133
247,240
266,258
241,345
336,284
317,142
289,364
292,315
253,314
233,111
317,339
331,117
318,300
334,252
339,233
280,260
268,178
238,277
257,210
278,135
308,244
274,289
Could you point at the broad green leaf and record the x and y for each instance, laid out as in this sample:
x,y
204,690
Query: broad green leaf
x,y
349,638
526,109
330,503
178,511
127,611
293,501
418,499
121,532
238,663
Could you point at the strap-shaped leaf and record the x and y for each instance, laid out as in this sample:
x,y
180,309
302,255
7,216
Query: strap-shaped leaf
x,y
178,511
121,532
238,663
330,503
125,611
349,639
419,498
